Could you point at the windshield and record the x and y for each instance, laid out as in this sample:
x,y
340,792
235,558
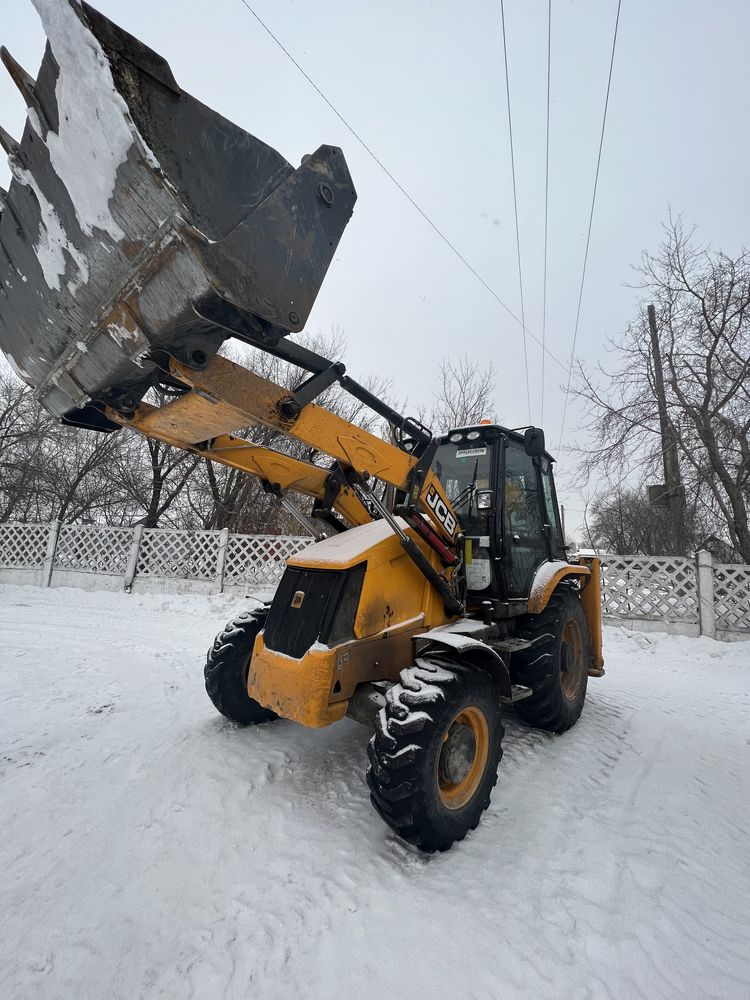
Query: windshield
x,y
464,469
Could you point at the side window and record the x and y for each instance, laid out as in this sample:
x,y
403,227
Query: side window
x,y
550,514
522,507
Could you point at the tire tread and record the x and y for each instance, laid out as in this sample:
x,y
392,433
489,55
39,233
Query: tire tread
x,y
399,771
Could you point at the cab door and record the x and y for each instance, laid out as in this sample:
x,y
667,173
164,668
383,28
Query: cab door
x,y
524,542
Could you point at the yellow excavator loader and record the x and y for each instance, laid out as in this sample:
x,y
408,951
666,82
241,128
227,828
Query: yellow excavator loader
x,y
141,230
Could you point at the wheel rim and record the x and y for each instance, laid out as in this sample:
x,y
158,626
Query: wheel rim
x,y
463,757
571,660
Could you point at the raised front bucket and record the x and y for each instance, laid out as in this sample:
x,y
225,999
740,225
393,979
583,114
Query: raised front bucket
x,y
139,219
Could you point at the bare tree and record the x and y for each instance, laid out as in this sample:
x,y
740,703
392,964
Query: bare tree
x,y
464,394
48,470
23,427
701,299
152,477
78,479
624,522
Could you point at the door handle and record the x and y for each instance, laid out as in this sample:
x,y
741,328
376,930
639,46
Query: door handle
x,y
516,539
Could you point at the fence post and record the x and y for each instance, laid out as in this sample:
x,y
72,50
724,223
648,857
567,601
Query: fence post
x,y
706,607
132,566
221,559
54,534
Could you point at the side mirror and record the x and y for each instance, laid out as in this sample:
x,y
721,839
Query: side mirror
x,y
533,441
484,499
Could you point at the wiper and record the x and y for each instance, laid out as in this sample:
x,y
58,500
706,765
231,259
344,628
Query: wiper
x,y
468,492
463,496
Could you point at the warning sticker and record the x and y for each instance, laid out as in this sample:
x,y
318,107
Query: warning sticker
x,y
470,452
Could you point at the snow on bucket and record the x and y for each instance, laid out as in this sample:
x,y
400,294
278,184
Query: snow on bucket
x,y
139,220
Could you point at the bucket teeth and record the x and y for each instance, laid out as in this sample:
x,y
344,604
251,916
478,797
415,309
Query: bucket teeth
x,y
8,143
20,77
25,83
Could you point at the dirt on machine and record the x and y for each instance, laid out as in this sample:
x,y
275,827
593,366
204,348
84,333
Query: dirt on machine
x,y
140,232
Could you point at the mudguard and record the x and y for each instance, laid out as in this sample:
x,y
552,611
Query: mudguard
x,y
457,637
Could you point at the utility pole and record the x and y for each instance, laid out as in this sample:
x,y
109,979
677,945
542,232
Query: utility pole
x,y
675,494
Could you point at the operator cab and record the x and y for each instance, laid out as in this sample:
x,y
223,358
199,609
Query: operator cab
x,y
500,484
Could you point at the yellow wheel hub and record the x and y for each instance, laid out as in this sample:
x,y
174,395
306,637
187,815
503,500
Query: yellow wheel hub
x,y
571,660
463,757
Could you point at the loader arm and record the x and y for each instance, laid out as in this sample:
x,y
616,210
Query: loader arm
x,y
224,397
278,471
237,397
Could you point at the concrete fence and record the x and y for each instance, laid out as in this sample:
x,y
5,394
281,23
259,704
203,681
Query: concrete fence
x,y
157,560
672,594
665,594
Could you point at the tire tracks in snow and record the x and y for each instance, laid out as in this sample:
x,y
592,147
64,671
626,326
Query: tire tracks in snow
x,y
155,850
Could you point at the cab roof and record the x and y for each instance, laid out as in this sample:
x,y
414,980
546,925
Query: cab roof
x,y
490,431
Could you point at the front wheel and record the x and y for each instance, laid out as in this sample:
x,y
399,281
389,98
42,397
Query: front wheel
x,y
227,668
556,666
435,752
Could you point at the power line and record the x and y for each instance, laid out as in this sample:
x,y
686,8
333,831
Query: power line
x,y
515,206
400,187
591,220
546,204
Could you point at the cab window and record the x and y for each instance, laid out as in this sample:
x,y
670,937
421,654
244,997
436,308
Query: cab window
x,y
550,513
522,510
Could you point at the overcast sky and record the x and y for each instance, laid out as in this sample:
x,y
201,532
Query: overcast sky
x,y
423,84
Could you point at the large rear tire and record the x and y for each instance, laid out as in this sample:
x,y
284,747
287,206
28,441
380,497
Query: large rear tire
x,y
435,751
227,667
556,666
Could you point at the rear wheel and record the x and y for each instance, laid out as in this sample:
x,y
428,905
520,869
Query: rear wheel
x,y
435,752
227,668
556,666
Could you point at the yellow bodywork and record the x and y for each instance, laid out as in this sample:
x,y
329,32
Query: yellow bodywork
x,y
226,397
397,600
236,397
539,598
396,603
588,571
283,471
592,607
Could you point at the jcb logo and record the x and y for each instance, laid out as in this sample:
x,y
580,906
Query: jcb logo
x,y
441,511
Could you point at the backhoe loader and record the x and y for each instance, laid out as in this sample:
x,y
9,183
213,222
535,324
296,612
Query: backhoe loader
x,y
142,230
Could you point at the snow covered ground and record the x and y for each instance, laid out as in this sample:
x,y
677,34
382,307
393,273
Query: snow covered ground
x,y
150,849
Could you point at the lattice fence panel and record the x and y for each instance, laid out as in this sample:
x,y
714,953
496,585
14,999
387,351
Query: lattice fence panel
x,y
650,587
93,548
259,560
732,596
23,546
187,555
